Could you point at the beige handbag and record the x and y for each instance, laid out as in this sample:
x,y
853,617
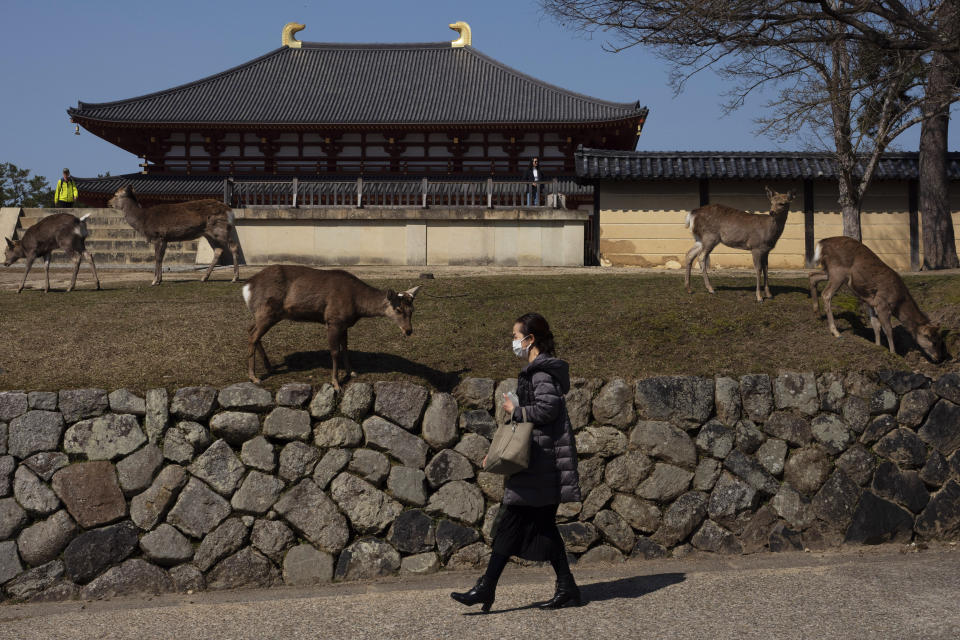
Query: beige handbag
x,y
510,450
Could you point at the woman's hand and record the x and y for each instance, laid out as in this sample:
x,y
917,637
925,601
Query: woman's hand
x,y
508,406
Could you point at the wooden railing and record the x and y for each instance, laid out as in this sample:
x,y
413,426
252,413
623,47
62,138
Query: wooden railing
x,y
363,192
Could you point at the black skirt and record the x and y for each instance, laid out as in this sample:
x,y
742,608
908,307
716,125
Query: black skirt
x,y
528,532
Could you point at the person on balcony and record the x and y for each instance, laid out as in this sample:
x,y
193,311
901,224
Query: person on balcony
x,y
533,176
66,193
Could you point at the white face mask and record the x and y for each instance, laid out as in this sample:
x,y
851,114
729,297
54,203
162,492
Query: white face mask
x,y
519,350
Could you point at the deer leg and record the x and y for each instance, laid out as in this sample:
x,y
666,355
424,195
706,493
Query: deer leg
x,y
89,257
828,292
705,265
346,357
884,319
335,339
76,269
874,322
815,278
758,268
766,284
217,246
257,330
235,253
159,248
688,263
46,273
29,263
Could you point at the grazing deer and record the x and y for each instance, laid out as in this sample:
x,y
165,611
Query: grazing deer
x,y
62,231
335,298
757,233
848,262
165,223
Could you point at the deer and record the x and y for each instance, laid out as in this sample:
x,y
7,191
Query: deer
x,y
333,297
879,288
180,221
63,231
713,224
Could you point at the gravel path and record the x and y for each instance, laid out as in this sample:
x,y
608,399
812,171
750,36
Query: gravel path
x,y
871,593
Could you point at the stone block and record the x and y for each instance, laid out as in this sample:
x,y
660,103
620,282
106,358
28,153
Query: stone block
x,y
220,468
158,414
452,536
166,546
303,566
904,447
372,466
876,521
475,393
77,404
147,508
229,537
32,494
314,515
625,472
236,427
914,407
686,399
136,471
257,494
34,431
413,531
402,445
420,564
440,421
714,538
132,577
44,400
43,541
807,469
198,509
332,463
297,460
727,399
367,558
639,514
836,500
715,440
478,421
126,401
458,500
10,565
194,403
613,405
94,551
104,438
903,487
284,423
272,537
338,432
184,441
796,391
294,394
258,454
941,518
446,466
91,493
578,536
245,568
370,510
858,464
681,518
791,427
756,396
665,483
324,403
357,401
939,430
473,447
400,402
245,396
663,441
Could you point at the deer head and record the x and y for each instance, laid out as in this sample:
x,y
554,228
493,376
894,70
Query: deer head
x,y
121,194
400,308
13,253
780,202
930,340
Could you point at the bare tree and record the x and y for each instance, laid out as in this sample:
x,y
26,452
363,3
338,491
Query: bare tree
x,y
813,51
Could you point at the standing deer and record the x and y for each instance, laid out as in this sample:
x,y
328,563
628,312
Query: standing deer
x,y
848,262
62,231
165,223
757,233
335,298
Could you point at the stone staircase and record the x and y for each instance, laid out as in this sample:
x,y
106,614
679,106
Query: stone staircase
x,y
114,242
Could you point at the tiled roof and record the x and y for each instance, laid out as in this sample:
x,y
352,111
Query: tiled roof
x,y
600,164
212,186
364,84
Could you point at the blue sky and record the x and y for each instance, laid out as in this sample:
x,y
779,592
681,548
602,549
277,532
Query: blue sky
x,y
53,54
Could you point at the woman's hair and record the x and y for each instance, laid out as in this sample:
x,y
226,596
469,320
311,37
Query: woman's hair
x,y
535,325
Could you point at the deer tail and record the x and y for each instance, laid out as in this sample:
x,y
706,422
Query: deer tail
x,y
83,218
816,254
690,217
247,291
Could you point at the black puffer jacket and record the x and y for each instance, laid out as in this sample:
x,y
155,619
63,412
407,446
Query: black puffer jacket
x,y
551,477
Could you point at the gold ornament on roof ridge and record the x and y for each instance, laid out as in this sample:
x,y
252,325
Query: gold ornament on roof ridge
x,y
289,29
466,37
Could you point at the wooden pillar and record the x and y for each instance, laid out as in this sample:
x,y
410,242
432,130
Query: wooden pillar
x,y
704,192
913,199
808,237
591,255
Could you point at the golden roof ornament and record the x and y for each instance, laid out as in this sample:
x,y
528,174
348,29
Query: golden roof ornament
x,y
466,38
289,29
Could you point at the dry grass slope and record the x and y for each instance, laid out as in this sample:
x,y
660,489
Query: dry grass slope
x,y
187,333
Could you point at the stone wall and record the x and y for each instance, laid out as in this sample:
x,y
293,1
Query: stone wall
x,y
102,494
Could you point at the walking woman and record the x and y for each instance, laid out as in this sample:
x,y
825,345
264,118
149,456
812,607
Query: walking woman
x,y
528,526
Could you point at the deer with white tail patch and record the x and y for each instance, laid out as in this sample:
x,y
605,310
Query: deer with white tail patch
x,y
848,262
333,297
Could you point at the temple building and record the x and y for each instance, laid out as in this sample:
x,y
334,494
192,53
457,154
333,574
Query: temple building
x,y
323,112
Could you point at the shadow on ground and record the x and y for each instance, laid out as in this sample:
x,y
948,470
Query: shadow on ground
x,y
365,362
623,588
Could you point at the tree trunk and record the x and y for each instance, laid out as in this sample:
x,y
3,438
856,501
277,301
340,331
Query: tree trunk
x,y
939,244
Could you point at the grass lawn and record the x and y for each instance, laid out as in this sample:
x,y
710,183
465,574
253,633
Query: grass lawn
x,y
606,325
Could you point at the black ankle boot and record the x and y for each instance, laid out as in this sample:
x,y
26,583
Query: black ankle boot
x,y
567,594
483,592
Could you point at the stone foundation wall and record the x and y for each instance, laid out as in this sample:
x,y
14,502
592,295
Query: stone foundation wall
x,y
103,494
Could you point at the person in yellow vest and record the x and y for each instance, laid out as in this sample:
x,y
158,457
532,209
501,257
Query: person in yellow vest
x,y
66,193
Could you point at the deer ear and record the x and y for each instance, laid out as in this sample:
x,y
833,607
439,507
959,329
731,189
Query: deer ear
x,y
9,244
391,295
413,292
769,191
792,194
